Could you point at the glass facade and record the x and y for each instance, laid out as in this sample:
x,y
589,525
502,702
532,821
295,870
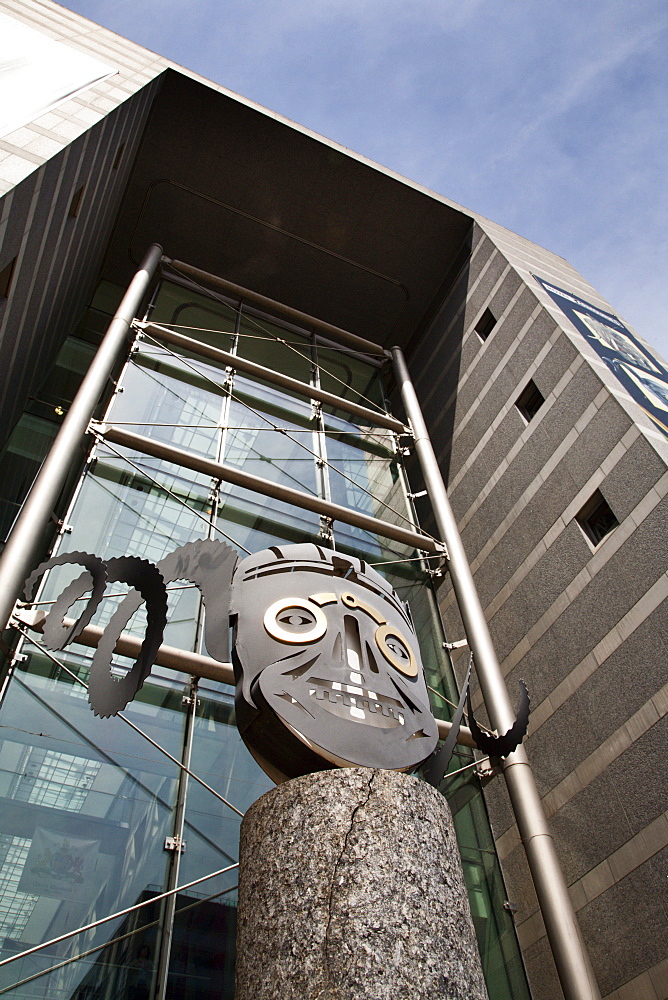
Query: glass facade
x,y
90,806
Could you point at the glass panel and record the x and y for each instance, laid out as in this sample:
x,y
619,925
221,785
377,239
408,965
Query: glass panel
x,y
107,297
157,403
194,315
350,378
275,347
255,444
254,522
493,924
21,459
86,805
365,478
71,364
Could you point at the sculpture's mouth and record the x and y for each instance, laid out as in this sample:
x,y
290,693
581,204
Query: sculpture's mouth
x,y
357,704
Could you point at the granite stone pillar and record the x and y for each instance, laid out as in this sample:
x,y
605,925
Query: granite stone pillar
x,y
351,888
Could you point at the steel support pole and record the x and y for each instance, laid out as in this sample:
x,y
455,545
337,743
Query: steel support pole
x,y
570,954
19,552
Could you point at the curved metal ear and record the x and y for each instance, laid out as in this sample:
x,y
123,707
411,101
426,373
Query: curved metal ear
x,y
106,694
434,768
210,565
57,635
109,695
501,746
206,563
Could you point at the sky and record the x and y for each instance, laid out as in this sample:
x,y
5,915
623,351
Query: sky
x,y
548,116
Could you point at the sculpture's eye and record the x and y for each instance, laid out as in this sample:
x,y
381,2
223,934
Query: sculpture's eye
x,y
397,647
396,650
295,620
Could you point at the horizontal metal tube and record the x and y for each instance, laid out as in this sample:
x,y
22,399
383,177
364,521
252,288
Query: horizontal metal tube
x,y
278,308
194,664
188,663
127,439
269,375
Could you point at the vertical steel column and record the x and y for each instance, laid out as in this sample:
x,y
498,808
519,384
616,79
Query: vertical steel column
x,y
177,846
568,948
17,558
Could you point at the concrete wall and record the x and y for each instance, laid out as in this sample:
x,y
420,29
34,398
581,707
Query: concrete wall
x,y
58,257
586,626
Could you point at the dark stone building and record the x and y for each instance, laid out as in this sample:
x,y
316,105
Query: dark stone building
x,y
549,417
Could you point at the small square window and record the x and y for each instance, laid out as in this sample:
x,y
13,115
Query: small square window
x,y
118,157
6,275
596,518
530,401
485,324
75,204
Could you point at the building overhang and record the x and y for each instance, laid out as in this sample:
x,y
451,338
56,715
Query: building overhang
x,y
244,195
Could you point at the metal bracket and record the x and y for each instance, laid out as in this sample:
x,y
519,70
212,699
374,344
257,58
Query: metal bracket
x,y
404,442
420,493
456,645
189,700
437,572
326,532
484,773
510,907
63,528
27,616
175,844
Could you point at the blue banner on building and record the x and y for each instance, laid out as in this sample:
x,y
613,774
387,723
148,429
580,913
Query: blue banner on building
x,y
643,376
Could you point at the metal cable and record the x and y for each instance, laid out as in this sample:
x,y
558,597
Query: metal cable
x,y
272,336
114,916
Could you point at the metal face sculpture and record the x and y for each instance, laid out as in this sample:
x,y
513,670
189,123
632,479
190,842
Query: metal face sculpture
x,y
326,659
326,664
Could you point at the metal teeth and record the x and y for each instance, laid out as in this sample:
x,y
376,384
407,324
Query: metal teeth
x,y
358,700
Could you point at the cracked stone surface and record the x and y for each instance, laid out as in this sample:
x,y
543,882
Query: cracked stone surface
x,y
351,888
